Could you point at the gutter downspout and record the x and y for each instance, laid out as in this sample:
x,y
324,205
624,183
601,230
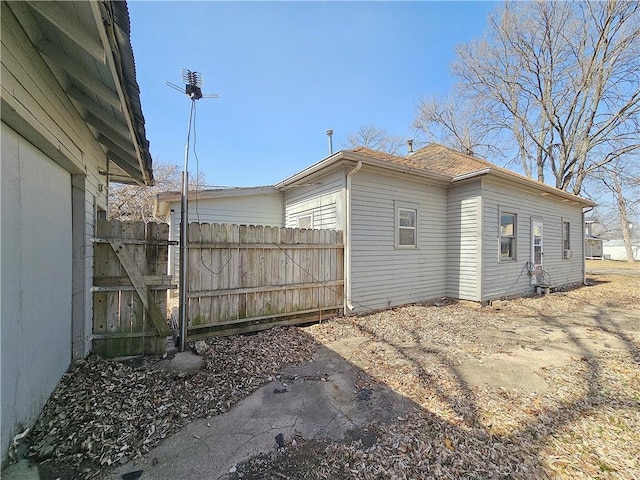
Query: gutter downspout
x,y
348,306
584,247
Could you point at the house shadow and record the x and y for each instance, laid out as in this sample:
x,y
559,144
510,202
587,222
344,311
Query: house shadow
x,y
458,438
400,404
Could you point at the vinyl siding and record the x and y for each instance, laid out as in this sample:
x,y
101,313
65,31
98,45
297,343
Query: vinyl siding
x,y
464,241
324,201
381,275
511,278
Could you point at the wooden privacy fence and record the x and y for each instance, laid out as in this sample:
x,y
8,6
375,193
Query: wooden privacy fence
x,y
130,288
245,278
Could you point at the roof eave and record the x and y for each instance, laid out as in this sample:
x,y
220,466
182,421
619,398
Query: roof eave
x,y
345,156
118,51
316,167
519,179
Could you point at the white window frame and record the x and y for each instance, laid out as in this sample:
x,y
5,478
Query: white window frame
x,y
305,216
514,237
566,239
398,206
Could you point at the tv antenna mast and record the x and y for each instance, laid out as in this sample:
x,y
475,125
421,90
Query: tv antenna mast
x,y
193,89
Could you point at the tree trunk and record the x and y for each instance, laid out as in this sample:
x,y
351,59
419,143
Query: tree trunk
x,y
624,218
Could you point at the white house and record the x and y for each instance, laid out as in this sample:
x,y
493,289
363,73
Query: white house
x,y
431,224
439,223
242,205
616,250
71,122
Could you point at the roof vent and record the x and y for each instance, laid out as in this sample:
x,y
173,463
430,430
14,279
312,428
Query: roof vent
x,y
410,144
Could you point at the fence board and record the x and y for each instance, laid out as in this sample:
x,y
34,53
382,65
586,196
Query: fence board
x,y
246,277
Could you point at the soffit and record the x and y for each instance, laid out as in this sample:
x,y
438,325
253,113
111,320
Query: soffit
x,y
86,45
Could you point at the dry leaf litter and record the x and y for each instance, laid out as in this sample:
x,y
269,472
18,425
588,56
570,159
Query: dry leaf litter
x,y
107,412
584,425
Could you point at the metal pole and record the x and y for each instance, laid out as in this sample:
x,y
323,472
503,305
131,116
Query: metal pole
x,y
184,228
330,135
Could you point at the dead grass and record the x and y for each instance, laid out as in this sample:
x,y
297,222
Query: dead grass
x,y
611,265
584,425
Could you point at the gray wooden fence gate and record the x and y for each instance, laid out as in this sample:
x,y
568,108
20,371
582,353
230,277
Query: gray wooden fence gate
x,y
130,288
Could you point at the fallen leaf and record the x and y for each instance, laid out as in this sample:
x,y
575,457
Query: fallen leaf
x,y
449,445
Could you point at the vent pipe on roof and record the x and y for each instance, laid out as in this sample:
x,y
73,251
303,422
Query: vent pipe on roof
x,y
410,144
330,135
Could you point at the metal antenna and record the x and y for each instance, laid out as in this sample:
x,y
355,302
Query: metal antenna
x,y
193,89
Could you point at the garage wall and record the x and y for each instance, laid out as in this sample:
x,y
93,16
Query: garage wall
x,y
36,280
37,107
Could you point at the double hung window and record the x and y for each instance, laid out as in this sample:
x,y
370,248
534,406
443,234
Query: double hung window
x,y
508,236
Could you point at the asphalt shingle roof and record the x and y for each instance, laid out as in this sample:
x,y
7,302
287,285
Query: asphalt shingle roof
x,y
433,158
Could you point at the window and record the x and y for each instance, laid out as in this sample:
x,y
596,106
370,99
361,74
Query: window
x,y
406,227
101,213
508,236
566,239
305,221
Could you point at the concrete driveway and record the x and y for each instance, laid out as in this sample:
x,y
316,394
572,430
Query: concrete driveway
x,y
316,400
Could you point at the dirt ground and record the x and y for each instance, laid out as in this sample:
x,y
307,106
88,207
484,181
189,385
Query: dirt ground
x,y
539,387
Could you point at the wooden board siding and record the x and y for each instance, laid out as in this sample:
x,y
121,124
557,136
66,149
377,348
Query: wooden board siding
x,y
382,276
28,85
464,241
502,278
324,201
40,111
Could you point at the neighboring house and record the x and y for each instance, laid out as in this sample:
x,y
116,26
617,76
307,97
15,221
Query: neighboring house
x,y
248,206
616,249
592,243
71,122
436,223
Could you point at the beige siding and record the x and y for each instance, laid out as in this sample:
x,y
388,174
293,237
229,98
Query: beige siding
x,y
382,275
464,241
511,278
324,201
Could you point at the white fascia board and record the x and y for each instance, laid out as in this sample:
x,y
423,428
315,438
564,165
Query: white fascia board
x,y
542,188
217,193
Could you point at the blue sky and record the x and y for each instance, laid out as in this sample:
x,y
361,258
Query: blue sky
x,y
287,72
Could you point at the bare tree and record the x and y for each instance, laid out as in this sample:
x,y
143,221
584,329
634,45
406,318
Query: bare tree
x,y
456,123
136,202
563,79
376,138
621,180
